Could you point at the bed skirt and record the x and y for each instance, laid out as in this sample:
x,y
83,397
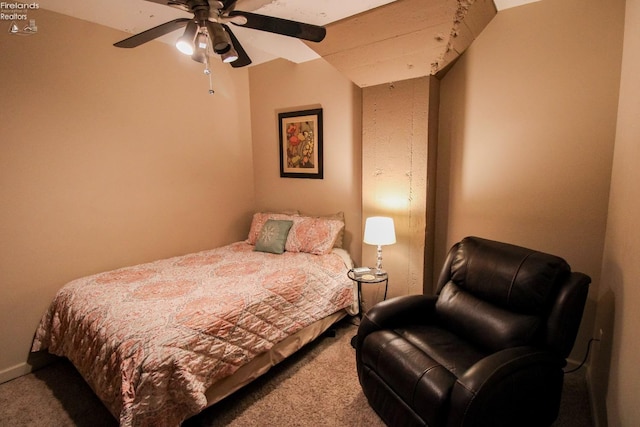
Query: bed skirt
x,y
262,363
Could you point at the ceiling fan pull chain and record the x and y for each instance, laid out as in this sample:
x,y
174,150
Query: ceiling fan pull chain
x,y
207,71
211,91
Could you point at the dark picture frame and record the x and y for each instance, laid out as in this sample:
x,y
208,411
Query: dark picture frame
x,y
301,144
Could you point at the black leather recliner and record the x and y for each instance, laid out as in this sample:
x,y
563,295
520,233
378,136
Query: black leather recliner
x,y
487,350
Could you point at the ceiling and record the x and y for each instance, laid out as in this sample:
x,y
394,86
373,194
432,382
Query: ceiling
x,y
383,28
404,39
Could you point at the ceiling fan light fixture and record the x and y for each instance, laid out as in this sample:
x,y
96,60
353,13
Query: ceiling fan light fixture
x,y
199,56
221,43
200,52
185,43
229,56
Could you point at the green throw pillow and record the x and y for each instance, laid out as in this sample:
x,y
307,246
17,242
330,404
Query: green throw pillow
x,y
273,236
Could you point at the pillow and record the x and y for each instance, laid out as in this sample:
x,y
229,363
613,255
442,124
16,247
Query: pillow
x,y
313,235
259,218
339,243
273,236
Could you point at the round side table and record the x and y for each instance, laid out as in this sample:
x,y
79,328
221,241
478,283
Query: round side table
x,y
367,278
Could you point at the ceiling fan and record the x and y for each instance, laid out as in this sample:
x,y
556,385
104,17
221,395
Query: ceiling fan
x,y
207,32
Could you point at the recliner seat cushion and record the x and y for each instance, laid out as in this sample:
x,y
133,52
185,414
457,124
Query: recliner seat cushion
x,y
419,363
455,354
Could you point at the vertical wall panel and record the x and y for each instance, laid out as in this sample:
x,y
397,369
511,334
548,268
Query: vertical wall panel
x,y
394,176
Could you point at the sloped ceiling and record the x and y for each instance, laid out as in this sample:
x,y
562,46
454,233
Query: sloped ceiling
x,y
403,39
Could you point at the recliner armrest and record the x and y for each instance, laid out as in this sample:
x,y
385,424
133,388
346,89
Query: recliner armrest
x,y
491,388
396,312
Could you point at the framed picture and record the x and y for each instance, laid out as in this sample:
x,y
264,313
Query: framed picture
x,y
301,144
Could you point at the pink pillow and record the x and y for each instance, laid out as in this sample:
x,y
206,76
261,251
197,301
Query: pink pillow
x,y
340,217
259,218
313,235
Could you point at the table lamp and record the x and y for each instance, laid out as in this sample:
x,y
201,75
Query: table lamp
x,y
379,230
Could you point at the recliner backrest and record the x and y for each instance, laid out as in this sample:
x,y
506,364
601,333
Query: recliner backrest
x,y
498,295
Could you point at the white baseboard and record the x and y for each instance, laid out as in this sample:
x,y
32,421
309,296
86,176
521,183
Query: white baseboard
x,y
35,361
572,364
15,371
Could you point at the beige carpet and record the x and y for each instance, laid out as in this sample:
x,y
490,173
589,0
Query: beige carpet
x,y
316,387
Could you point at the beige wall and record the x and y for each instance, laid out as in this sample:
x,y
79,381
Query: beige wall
x,y
614,368
109,157
281,86
527,126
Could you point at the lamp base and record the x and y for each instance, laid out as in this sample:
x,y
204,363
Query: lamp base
x,y
379,271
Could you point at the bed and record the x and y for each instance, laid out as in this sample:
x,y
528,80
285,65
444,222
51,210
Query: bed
x,y
161,341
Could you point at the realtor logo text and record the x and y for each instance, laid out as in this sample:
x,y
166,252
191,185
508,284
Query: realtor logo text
x,y
10,11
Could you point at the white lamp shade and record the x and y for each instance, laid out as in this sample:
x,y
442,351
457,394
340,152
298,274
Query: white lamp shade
x,y
379,230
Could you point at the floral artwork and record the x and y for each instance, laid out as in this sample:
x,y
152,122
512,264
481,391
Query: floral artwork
x,y
301,144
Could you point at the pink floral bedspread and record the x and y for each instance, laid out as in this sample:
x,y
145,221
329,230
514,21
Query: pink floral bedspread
x,y
150,339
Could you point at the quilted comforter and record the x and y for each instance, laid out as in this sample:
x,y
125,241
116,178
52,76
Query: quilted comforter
x,y
150,339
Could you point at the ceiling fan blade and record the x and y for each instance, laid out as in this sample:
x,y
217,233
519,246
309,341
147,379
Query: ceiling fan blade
x,y
285,27
243,59
152,33
228,4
